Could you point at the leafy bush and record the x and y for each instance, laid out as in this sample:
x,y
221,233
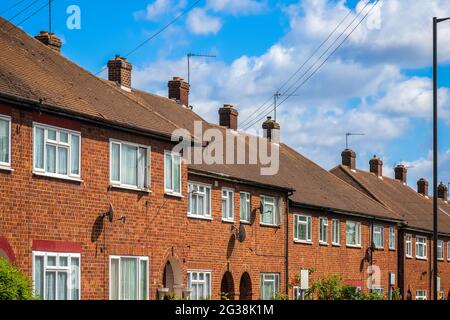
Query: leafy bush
x,y
280,296
14,285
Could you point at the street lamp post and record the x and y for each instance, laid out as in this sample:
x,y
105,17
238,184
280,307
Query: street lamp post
x,y
435,157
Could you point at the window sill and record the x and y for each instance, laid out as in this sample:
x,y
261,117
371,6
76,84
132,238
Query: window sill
x,y
392,249
193,216
55,176
6,168
379,248
303,242
269,225
421,258
408,257
227,221
245,222
335,244
440,259
321,243
115,186
356,246
171,194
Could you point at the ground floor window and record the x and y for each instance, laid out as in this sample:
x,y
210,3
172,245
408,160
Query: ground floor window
x,y
421,295
200,284
56,276
299,294
128,278
269,285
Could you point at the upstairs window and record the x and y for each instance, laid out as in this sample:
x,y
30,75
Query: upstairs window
x,y
440,250
227,205
336,232
302,228
271,210
199,200
129,165
245,206
408,245
391,238
56,152
5,142
448,251
353,234
421,247
378,237
323,230
172,173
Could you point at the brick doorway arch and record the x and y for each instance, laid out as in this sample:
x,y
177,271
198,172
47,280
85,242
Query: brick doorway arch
x,y
173,278
6,251
227,286
245,287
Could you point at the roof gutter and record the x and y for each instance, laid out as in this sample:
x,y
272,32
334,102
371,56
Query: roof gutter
x,y
57,110
414,229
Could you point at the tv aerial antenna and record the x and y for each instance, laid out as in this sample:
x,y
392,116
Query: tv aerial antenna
x,y
349,134
192,55
277,95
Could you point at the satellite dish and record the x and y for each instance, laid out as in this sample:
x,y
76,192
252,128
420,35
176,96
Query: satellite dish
x,y
241,233
110,213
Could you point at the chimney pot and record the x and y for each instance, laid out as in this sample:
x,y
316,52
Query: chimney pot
x,y
443,191
349,158
271,129
422,186
228,116
376,166
50,40
119,70
401,173
179,90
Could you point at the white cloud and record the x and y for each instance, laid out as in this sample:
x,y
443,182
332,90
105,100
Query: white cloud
x,y
159,8
237,7
200,22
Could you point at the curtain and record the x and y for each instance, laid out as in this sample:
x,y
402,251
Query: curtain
x,y
129,165
62,160
129,277
51,158
39,276
75,278
39,149
176,174
114,279
208,199
115,162
75,155
142,168
207,285
62,286
4,141
50,282
143,280
168,172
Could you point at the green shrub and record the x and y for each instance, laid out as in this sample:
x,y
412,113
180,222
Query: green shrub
x,y
280,296
14,285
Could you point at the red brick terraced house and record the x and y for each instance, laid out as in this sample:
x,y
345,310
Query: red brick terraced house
x,y
415,239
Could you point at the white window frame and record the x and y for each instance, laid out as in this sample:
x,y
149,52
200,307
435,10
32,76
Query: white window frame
x,y
301,219
118,183
247,204
198,272
57,268
275,280
119,285
408,244
298,294
276,214
421,295
448,250
57,143
228,216
392,238
323,230
377,289
357,236
440,243
379,231
206,200
424,244
335,232
173,156
7,165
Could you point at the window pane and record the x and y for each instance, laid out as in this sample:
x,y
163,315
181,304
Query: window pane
x,y
62,286
129,165
75,278
63,261
62,160
64,137
168,172
208,199
50,282
176,174
51,261
51,135
51,159
39,276
114,279
115,162
224,208
4,141
39,149
143,280
75,155
129,278
142,164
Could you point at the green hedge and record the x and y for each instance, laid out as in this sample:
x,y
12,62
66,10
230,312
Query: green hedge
x,y
14,285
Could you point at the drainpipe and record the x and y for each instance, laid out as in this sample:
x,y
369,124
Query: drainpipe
x,y
286,245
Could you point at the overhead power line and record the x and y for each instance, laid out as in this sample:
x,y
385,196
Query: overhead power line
x,y
32,14
319,67
20,12
11,7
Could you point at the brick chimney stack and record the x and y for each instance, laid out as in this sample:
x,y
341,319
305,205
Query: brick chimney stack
x,y
349,158
50,40
228,117
443,191
401,173
119,70
179,91
271,130
422,186
376,166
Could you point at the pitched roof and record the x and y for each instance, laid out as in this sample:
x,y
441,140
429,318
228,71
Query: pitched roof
x,y
30,70
413,207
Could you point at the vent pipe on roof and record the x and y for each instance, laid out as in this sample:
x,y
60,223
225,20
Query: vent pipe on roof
x,y
443,191
349,158
50,40
401,173
422,186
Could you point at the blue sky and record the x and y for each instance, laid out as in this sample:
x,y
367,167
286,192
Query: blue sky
x,y
378,83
